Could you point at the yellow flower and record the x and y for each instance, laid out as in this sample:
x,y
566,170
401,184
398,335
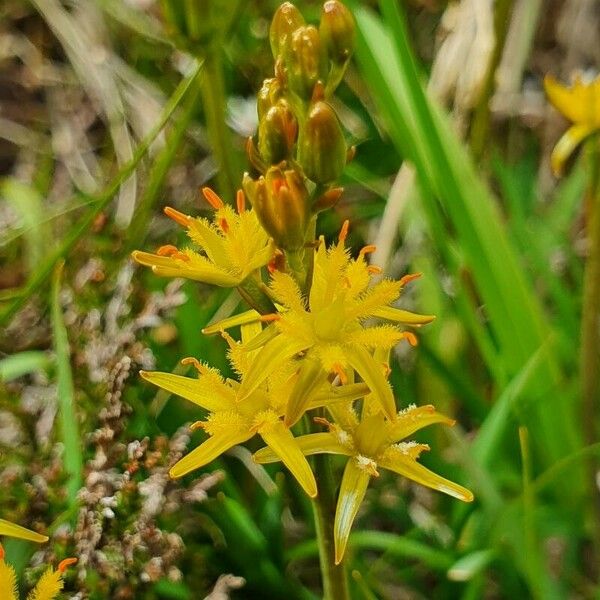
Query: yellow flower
x,y
13,530
579,103
370,443
329,327
234,245
234,419
47,588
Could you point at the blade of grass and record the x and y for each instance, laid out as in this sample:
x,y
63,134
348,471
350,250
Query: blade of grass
x,y
23,363
422,134
102,200
72,458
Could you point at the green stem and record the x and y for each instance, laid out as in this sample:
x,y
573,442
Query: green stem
x,y
335,585
590,324
214,101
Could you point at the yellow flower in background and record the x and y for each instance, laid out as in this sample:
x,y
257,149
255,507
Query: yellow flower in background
x,y
580,103
48,587
371,443
16,531
234,419
233,246
329,327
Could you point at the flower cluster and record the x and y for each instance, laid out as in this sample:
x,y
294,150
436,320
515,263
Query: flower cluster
x,y
320,328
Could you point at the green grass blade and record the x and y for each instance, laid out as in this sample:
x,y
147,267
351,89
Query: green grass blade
x,y
72,458
23,363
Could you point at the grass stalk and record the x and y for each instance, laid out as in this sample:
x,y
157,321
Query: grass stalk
x,y
335,584
590,328
72,458
214,101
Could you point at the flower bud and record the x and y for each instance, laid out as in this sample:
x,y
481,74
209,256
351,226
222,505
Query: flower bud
x,y
286,20
277,132
268,95
321,145
304,61
280,200
337,31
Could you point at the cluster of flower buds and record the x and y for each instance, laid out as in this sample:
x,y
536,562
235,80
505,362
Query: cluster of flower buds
x,y
300,150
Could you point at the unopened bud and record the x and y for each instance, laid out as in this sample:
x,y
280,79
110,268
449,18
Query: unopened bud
x,y
286,20
277,133
280,200
321,145
337,31
304,61
268,95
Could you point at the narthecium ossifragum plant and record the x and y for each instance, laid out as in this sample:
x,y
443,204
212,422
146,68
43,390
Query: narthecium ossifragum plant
x,y
309,333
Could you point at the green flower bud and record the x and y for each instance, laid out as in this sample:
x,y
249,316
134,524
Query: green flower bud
x,y
280,200
286,20
304,61
321,146
277,133
268,95
337,31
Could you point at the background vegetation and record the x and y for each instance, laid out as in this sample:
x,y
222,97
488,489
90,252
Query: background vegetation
x,y
103,122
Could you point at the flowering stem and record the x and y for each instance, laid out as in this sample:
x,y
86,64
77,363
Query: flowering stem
x,y
590,320
214,102
335,585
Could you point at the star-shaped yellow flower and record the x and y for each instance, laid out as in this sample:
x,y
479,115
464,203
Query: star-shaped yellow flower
x,y
329,327
371,443
48,587
233,246
234,419
580,103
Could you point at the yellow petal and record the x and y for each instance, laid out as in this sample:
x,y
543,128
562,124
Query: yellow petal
x,y
414,418
13,530
8,581
310,377
377,336
250,316
372,374
48,587
281,441
272,355
206,452
567,145
313,443
267,334
208,394
352,491
566,100
406,466
402,316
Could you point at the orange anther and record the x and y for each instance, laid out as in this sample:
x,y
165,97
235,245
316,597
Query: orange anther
x,y
167,250
408,278
63,564
1,552
339,371
224,225
344,231
270,317
181,256
177,216
212,198
196,425
322,421
240,200
190,360
366,250
410,337
387,370
374,270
